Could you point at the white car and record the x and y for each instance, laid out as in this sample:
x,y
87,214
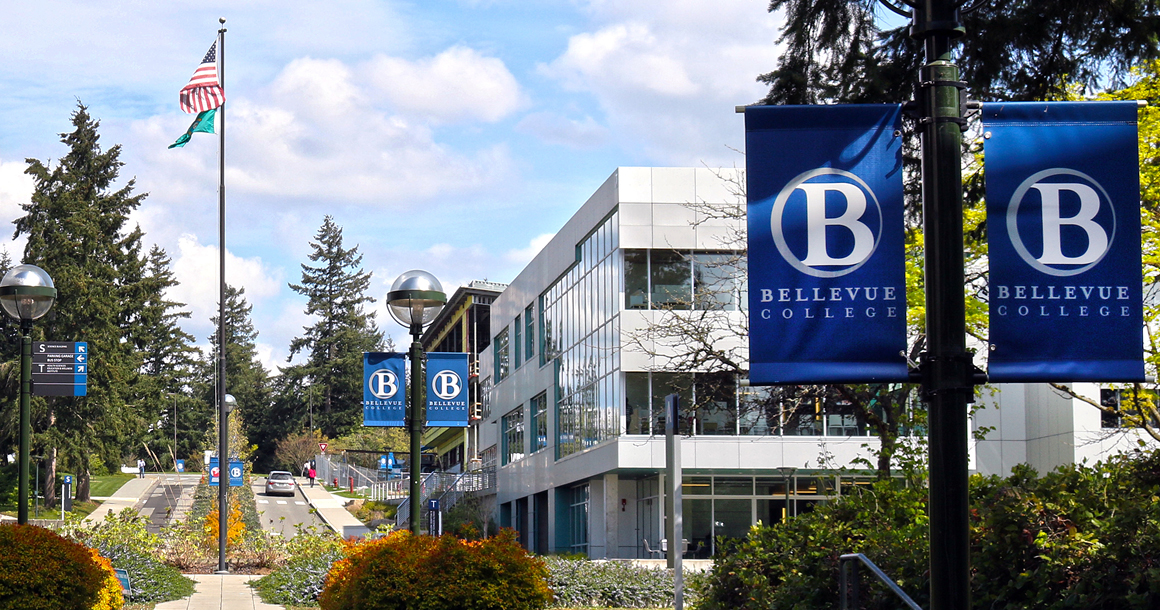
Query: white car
x,y
280,482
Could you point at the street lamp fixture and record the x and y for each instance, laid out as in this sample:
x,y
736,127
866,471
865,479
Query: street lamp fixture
x,y
26,294
415,299
228,404
787,472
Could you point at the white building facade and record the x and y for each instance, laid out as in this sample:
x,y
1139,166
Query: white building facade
x,y
572,407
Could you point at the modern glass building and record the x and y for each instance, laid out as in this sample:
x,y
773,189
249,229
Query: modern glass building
x,y
581,360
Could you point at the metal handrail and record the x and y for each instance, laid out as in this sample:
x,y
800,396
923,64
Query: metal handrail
x,y
848,582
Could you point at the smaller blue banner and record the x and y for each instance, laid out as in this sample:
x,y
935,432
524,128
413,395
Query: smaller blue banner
x,y
1063,231
384,389
447,394
234,474
180,465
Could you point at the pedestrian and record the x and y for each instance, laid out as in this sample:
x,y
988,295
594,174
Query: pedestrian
x,y
140,468
311,473
305,467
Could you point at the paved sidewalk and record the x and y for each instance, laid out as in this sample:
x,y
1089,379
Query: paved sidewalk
x,y
330,509
220,592
131,495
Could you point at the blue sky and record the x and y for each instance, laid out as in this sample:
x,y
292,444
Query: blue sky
x,y
450,136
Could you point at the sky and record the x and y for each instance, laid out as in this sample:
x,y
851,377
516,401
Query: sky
x,y
451,136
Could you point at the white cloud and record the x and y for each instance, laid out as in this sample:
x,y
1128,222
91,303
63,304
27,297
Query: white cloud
x,y
667,75
457,85
523,256
15,189
196,268
556,129
319,133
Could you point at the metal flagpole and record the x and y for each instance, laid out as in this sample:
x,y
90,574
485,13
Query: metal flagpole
x,y
223,416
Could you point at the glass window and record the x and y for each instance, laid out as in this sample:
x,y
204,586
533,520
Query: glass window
x,y
540,422
716,411
715,279
578,519
664,384
529,332
733,486
500,351
671,280
759,411
697,517
636,279
513,435
517,343
732,518
696,486
636,403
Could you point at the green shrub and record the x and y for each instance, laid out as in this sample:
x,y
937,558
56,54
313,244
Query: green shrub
x,y
1079,537
299,582
579,582
44,571
123,539
406,572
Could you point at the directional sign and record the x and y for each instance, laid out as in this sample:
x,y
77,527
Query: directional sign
x,y
60,368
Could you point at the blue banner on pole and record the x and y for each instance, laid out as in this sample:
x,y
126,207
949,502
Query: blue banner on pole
x,y
447,389
1063,227
384,389
827,281
234,476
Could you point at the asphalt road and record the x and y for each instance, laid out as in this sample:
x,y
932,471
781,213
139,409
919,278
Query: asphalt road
x,y
282,513
162,502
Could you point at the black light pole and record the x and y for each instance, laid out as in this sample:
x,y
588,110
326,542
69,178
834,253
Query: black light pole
x,y
415,298
947,370
26,294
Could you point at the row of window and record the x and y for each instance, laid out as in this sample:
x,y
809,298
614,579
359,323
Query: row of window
x,y
669,279
512,430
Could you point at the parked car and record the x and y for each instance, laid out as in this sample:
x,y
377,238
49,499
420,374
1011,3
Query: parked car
x,y
280,482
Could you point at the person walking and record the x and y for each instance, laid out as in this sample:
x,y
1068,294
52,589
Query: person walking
x,y
140,468
311,473
305,467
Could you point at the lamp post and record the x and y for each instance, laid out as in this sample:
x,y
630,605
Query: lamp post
x,y
787,472
415,298
26,294
228,404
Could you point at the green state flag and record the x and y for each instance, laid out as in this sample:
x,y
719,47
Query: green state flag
x,y
203,123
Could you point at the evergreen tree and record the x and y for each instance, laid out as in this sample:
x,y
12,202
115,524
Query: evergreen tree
x,y
76,230
246,379
836,51
336,291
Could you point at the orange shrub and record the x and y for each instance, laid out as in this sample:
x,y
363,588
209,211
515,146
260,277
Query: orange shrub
x,y
405,572
237,528
110,597
43,571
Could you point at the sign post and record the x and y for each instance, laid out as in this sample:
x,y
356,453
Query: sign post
x,y
66,493
674,524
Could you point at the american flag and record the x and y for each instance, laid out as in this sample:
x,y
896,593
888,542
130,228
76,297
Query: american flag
x,y
203,92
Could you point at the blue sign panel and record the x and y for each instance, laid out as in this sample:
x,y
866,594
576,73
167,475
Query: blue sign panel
x,y
60,368
234,474
180,465
1063,210
827,292
384,389
447,389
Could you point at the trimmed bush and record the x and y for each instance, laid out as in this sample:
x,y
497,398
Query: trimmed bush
x,y
43,571
110,597
406,572
578,582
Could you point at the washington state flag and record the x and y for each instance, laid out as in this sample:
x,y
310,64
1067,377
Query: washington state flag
x,y
203,123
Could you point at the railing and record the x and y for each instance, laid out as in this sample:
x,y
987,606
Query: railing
x,y
448,487
848,582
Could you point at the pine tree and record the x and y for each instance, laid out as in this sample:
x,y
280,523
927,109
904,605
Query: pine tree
x,y
336,291
76,230
246,379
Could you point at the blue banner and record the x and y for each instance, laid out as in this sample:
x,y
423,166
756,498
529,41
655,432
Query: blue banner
x,y
447,389
827,287
1063,230
234,475
384,389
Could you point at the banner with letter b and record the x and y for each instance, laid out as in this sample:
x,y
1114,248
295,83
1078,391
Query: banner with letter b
x,y
827,291
384,389
1063,230
447,389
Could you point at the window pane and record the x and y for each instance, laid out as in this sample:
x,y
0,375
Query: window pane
x,y
636,402
697,520
715,279
732,517
635,279
664,384
529,332
500,351
716,394
696,486
671,279
733,486
517,343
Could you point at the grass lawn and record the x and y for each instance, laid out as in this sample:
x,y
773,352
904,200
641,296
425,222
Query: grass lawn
x,y
103,487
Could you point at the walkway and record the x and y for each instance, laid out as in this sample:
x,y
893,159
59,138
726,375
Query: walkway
x,y
330,509
220,592
130,495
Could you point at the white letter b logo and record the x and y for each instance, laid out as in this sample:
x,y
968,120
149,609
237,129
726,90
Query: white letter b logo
x,y
383,384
